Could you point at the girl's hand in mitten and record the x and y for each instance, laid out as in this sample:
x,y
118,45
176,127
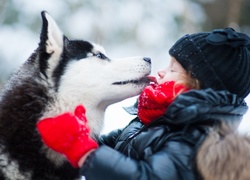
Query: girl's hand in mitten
x,y
68,134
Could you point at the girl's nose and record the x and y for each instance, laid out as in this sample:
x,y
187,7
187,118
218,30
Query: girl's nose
x,y
161,74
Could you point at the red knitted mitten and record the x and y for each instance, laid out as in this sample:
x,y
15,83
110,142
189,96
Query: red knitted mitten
x,y
68,134
154,100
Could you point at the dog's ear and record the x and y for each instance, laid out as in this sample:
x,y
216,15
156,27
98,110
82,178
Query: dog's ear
x,y
51,43
51,35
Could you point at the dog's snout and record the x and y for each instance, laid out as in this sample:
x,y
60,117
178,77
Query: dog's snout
x,y
147,59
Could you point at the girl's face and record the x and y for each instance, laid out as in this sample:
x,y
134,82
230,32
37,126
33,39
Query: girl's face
x,y
174,72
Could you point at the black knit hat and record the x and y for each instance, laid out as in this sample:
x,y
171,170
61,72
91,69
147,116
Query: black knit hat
x,y
219,59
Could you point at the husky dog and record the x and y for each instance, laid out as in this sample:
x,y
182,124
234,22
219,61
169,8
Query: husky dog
x,y
57,77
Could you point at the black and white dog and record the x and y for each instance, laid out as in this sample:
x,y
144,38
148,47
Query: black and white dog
x,y
57,77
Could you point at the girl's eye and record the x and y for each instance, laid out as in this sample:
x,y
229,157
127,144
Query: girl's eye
x,y
171,70
101,56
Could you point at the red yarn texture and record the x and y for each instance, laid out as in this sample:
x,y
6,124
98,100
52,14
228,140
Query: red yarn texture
x,y
68,134
155,99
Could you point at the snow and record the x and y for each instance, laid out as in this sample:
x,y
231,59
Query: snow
x,y
124,28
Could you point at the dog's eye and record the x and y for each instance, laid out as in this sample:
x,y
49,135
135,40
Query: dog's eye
x,y
101,56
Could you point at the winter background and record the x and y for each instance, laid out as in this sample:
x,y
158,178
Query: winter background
x,y
125,28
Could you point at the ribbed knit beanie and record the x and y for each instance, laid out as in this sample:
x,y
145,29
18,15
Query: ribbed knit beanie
x,y
219,59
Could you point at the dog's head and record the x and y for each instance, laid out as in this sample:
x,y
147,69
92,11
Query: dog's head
x,y
80,72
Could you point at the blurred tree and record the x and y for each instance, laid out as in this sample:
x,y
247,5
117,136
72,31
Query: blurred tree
x,y
224,13
234,11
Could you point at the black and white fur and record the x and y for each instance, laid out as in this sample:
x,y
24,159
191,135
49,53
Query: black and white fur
x,y
57,77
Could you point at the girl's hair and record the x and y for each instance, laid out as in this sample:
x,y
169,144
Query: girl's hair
x,y
190,82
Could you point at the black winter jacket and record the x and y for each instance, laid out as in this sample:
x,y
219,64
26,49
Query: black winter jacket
x,y
166,148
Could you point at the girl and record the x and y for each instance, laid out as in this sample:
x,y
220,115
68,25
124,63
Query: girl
x,y
203,87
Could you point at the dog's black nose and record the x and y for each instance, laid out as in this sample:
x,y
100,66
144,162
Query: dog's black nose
x,y
147,59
